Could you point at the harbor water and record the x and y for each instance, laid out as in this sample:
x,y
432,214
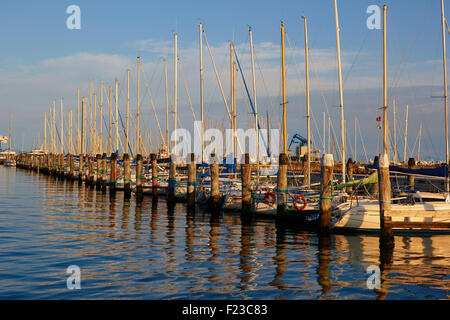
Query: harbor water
x,y
128,249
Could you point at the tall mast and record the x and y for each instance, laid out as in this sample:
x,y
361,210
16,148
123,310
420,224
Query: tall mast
x,y
254,99
128,111
117,115
308,119
406,134
70,132
83,126
395,132
175,89
167,108
444,60
9,136
232,96
90,117
385,103
78,123
54,128
94,125
341,96
101,117
45,132
201,86
283,77
110,121
356,141
138,138
420,140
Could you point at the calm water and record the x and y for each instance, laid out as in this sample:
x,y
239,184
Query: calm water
x,y
145,251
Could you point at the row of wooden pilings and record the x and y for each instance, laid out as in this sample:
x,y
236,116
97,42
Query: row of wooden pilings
x,y
94,172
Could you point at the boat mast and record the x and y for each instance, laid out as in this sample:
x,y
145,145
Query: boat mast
x,y
9,136
78,122
110,121
138,137
45,132
54,128
117,115
341,97
101,117
283,77
420,140
406,134
128,110
167,108
90,117
83,125
385,106
233,107
444,60
356,141
201,86
175,89
94,125
308,119
254,99
395,132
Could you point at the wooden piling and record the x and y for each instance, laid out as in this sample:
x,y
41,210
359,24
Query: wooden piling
x,y
384,183
326,177
246,183
282,185
172,182
411,165
154,176
191,184
139,175
113,173
374,188
80,168
98,177
350,168
215,193
104,172
126,174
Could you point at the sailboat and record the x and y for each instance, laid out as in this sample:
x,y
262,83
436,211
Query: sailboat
x,y
412,207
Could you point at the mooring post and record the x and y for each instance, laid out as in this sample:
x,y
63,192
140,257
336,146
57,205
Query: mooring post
x,y
305,169
113,173
139,175
246,201
374,188
326,192
104,172
411,165
215,193
98,177
154,176
80,168
384,182
126,175
191,184
350,168
282,185
172,182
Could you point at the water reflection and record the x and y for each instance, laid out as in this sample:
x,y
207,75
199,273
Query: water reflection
x,y
140,248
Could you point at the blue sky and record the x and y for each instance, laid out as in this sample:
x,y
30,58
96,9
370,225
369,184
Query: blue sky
x,y
41,60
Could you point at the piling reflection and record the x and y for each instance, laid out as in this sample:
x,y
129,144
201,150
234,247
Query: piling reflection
x,y
323,271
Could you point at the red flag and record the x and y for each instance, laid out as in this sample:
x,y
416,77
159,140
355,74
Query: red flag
x,y
379,119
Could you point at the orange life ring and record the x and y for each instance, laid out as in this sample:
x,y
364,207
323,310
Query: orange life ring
x,y
296,204
270,198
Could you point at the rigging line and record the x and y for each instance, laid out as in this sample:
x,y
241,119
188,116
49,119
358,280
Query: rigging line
x,y
217,76
410,45
362,141
324,101
251,104
153,106
356,56
189,98
303,86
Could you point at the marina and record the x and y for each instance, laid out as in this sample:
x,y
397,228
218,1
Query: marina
x,y
154,193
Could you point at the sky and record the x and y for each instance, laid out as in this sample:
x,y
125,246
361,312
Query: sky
x,y
41,61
